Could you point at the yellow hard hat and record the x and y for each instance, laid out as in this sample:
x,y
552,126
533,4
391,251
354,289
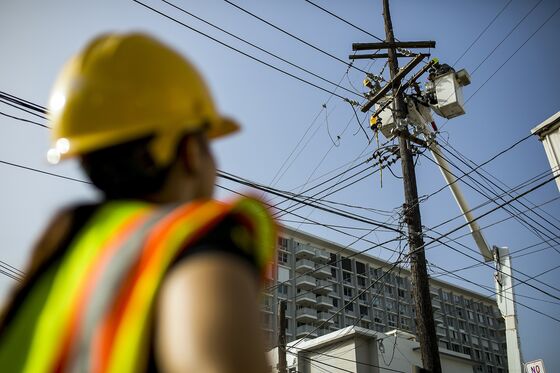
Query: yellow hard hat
x,y
126,86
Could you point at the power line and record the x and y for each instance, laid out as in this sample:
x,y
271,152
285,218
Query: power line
x,y
292,36
513,54
23,120
487,180
494,293
482,164
438,239
490,191
529,226
507,36
7,102
332,211
259,48
45,172
239,51
344,20
466,159
482,32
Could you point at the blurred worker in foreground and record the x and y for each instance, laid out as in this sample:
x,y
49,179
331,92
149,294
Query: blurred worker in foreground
x,y
157,277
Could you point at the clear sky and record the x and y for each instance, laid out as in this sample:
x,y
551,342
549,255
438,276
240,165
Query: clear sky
x,y
278,112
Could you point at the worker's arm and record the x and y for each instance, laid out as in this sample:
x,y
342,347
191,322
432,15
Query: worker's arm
x,y
207,317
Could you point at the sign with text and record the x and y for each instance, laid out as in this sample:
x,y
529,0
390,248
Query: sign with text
x,y
536,366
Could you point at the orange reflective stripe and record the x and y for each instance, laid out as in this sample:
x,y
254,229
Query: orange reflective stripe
x,y
105,335
160,250
89,280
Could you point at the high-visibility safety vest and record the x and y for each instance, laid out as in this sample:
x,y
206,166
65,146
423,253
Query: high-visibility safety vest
x,y
91,312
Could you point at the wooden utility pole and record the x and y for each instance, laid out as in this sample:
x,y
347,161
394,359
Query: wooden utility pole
x,y
425,326
282,364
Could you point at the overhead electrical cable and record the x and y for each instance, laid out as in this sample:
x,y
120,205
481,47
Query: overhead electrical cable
x,y
259,48
344,20
494,293
293,36
482,32
23,120
521,219
239,51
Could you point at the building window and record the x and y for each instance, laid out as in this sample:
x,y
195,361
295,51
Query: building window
x,y
389,290
363,296
363,310
347,277
459,312
361,281
282,289
360,268
334,302
347,291
466,350
349,307
282,257
470,315
401,293
283,242
347,264
332,261
392,320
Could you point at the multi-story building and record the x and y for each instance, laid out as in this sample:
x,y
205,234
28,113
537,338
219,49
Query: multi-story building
x,y
316,278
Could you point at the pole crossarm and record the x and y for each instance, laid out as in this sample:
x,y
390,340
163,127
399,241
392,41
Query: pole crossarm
x,y
382,55
393,83
397,44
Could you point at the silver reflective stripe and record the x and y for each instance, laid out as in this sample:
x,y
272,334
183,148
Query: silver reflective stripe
x,y
106,290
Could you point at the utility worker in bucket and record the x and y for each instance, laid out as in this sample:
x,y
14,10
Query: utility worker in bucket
x,y
158,276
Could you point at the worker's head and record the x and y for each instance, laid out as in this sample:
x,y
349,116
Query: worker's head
x,y
137,114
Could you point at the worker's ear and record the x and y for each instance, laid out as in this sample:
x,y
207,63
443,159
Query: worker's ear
x,y
191,154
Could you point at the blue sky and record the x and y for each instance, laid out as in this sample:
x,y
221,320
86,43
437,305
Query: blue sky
x,y
276,110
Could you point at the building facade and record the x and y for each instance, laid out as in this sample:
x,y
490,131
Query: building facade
x,y
316,278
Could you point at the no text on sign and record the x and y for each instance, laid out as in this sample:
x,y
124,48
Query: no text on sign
x,y
536,366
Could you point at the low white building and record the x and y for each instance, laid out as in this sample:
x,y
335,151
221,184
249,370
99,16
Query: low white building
x,y
549,133
358,350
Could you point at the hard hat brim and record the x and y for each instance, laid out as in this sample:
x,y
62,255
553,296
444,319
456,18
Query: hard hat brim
x,y
223,127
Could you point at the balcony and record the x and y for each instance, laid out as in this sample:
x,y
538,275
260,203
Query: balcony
x,y
323,303
323,287
305,265
306,315
322,271
304,252
304,330
325,317
306,282
322,256
305,299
